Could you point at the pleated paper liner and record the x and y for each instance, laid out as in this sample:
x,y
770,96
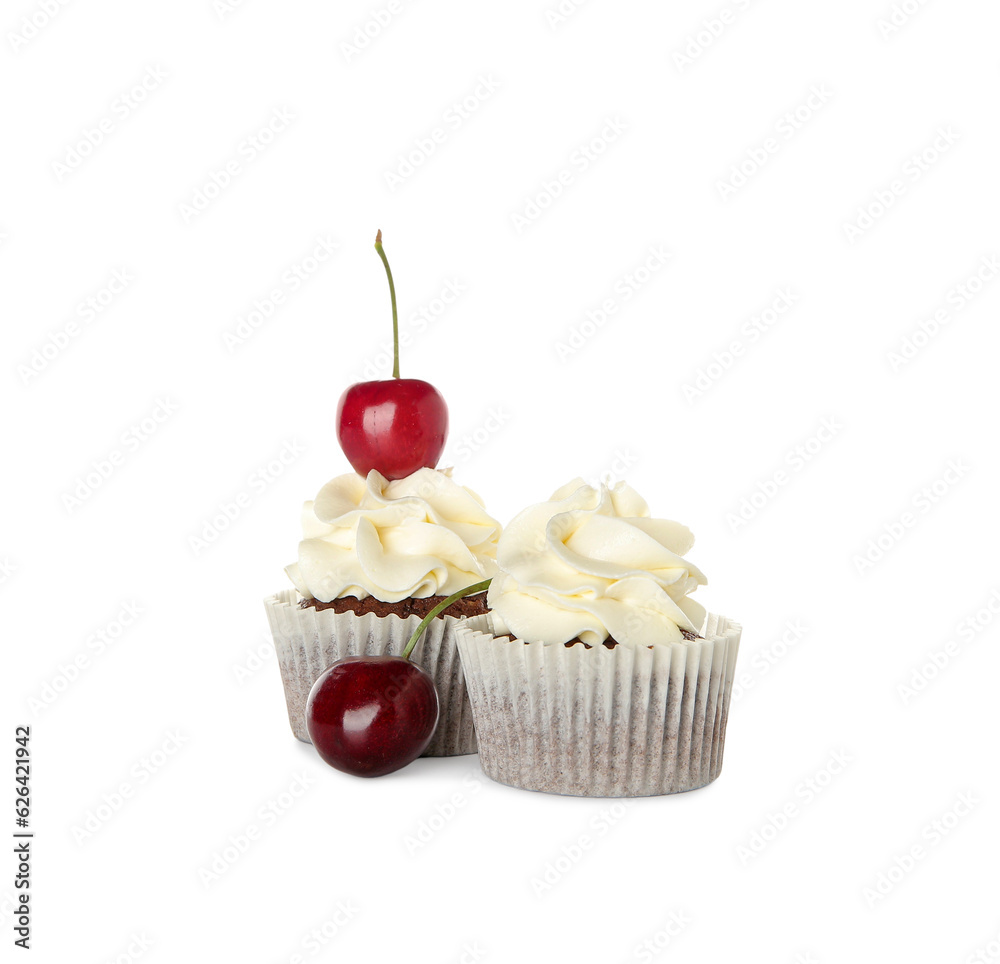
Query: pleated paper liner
x,y
307,641
622,722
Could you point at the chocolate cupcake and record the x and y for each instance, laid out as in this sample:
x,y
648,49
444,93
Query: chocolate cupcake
x,y
376,557
595,673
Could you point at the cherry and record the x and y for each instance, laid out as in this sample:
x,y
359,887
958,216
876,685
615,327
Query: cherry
x,y
370,715
396,425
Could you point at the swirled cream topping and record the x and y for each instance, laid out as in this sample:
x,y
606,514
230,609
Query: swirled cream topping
x,y
424,535
591,563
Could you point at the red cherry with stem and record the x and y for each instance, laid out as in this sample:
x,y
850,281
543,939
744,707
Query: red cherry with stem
x,y
371,715
395,425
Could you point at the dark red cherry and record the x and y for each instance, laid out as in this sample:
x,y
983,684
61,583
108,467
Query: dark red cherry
x,y
370,715
397,426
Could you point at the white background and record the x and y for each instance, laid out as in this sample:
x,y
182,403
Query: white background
x,y
908,110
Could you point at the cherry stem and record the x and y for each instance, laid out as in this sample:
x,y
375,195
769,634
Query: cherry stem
x,y
440,608
392,294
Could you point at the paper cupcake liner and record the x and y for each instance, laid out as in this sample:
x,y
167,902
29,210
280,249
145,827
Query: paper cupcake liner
x,y
308,641
622,722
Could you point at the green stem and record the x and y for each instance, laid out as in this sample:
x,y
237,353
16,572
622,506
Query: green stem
x,y
440,608
392,294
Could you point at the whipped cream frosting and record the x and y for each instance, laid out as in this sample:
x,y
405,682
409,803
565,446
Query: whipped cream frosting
x,y
590,563
423,535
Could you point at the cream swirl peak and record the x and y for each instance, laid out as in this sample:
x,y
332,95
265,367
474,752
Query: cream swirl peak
x,y
589,564
423,535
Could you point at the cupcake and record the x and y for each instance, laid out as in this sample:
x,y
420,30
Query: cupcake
x,y
375,558
595,673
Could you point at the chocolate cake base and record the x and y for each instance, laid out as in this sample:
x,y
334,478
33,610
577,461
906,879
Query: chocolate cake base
x,y
609,643
468,606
